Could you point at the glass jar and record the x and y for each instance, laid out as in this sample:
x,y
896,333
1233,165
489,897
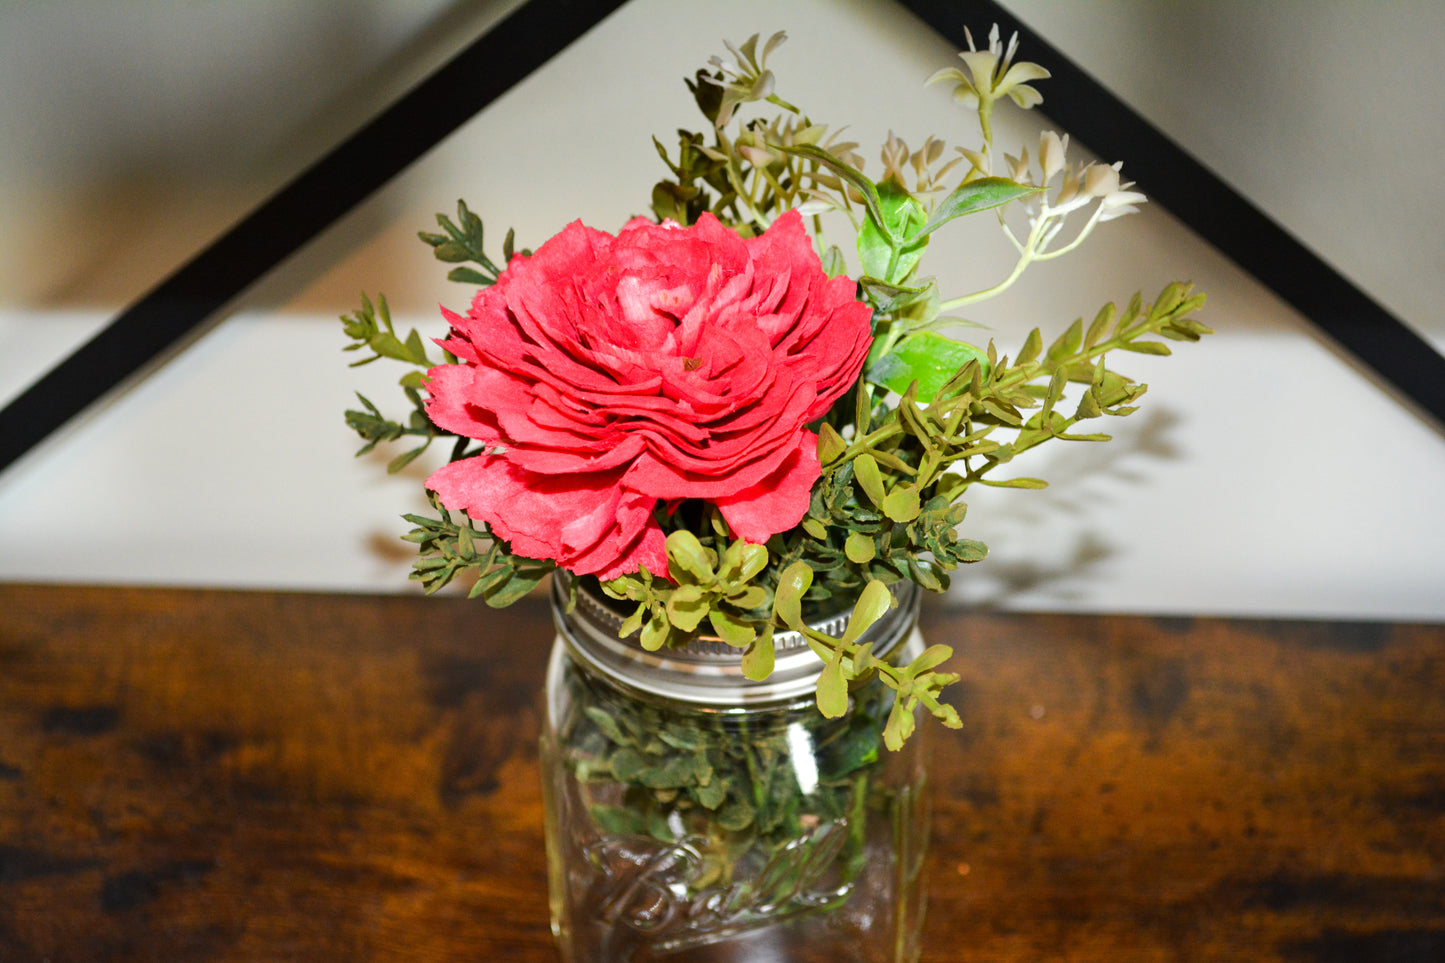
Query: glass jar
x,y
694,815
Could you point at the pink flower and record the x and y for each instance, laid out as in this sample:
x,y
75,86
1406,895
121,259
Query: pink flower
x,y
607,374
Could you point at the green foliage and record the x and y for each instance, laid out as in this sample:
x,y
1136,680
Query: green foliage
x,y
891,249
932,416
449,549
926,359
687,198
974,196
376,429
706,584
445,548
462,242
370,328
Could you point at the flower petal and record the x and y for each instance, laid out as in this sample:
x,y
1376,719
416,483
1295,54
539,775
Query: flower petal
x,y
779,501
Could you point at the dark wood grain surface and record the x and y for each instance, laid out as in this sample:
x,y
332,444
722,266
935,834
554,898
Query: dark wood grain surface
x,y
205,776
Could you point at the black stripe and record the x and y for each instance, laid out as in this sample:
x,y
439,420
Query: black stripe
x,y
1242,232
488,68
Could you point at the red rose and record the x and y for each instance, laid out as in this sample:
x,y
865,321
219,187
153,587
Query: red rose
x,y
605,374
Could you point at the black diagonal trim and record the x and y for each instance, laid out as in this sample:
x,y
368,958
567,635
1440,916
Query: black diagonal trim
x,y
488,68
1213,209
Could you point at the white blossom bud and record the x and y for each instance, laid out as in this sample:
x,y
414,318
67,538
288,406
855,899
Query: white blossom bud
x,y
1100,180
1051,153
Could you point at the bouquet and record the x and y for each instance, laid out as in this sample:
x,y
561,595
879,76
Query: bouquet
x,y
712,418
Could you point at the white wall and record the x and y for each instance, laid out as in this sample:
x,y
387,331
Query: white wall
x,y
1266,475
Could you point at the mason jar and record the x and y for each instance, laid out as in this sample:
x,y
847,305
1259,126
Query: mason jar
x,y
695,815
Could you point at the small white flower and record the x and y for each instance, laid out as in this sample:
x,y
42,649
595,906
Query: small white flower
x,y
1119,203
927,155
818,204
978,162
1018,166
894,155
1100,180
757,156
992,74
746,78
726,67
1052,149
1068,189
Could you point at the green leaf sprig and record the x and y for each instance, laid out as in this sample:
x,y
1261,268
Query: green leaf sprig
x,y
462,242
449,548
370,328
746,616
446,549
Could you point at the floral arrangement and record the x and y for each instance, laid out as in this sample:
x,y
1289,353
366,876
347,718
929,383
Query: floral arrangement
x,y
704,412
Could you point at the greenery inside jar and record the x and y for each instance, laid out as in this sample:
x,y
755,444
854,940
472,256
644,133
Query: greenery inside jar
x,y
720,816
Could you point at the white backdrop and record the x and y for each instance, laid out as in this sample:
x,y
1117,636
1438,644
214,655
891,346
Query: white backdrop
x,y
1265,475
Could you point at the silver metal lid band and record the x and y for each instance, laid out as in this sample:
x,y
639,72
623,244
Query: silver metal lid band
x,y
707,672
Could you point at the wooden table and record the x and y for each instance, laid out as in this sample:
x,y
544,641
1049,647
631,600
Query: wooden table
x,y
197,776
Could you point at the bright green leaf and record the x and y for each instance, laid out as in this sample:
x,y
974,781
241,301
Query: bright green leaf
x,y
865,469
900,725
873,602
685,554
932,657
655,632
1068,343
758,659
632,623
1015,483
1103,321
754,560
793,582
887,251
859,547
978,195
685,609
1146,347
901,505
831,445
947,715
861,662
749,598
1033,345
929,358
731,630
832,690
